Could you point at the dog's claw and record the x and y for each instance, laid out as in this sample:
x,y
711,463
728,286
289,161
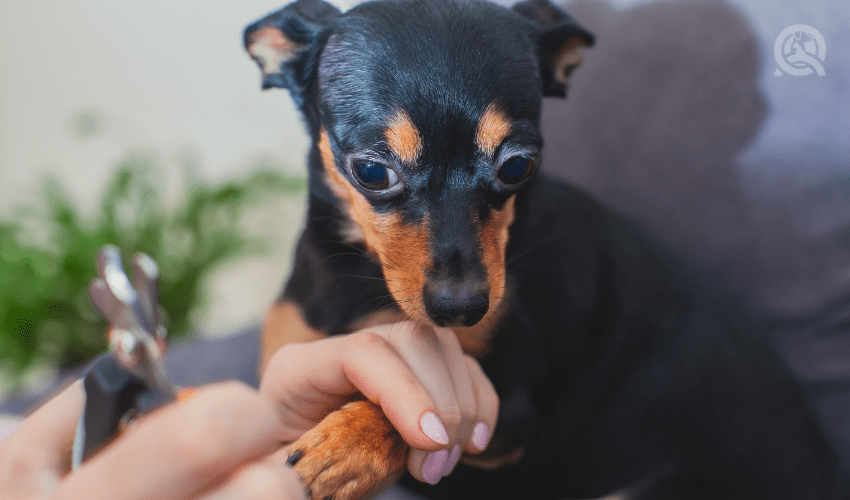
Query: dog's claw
x,y
295,457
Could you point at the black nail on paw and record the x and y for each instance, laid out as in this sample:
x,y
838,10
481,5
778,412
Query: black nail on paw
x,y
295,457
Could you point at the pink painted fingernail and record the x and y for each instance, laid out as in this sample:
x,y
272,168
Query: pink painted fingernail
x,y
435,463
480,435
454,456
433,428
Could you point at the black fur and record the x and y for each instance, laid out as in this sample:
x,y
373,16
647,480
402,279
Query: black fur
x,y
617,367
635,374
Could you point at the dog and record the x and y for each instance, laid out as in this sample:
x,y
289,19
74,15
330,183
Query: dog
x,y
619,371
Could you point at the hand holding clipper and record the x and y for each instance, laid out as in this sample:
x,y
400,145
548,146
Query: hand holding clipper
x,y
130,379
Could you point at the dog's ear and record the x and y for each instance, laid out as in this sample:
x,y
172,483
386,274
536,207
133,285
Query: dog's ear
x,y
559,43
280,43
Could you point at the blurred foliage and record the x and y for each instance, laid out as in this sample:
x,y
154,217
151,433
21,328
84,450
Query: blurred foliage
x,y
45,314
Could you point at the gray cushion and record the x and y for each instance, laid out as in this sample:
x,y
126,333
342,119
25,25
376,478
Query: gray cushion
x,y
659,124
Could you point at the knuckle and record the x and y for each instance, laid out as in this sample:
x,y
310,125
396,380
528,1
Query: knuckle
x,y
366,341
491,398
451,417
18,463
469,409
409,384
494,397
486,392
284,356
474,367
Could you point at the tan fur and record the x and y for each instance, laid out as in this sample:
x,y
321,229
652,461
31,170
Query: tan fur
x,y
493,127
284,324
570,55
270,48
403,137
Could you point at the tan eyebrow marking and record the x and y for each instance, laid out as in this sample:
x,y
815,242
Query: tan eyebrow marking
x,y
493,127
403,137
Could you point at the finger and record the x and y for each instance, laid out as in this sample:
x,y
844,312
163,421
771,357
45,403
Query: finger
x,y
488,408
264,480
309,380
427,357
35,456
181,449
421,349
428,466
465,391
479,405
459,372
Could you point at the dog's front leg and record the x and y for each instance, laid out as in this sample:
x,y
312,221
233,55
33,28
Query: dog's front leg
x,y
284,324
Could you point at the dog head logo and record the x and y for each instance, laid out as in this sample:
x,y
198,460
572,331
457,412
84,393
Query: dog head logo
x,y
800,51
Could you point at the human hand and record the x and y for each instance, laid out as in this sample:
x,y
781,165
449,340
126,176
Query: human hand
x,y
438,398
203,449
199,449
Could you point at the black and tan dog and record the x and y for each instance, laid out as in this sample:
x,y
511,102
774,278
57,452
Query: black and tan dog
x,y
616,370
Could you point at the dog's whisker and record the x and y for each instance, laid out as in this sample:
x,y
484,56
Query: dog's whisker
x,y
385,254
368,255
532,247
359,276
339,254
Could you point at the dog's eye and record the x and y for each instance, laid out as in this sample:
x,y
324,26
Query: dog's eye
x,y
515,169
374,176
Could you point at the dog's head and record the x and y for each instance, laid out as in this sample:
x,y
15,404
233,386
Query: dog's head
x,y
425,121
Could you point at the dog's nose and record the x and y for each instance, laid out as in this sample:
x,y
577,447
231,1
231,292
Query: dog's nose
x,y
461,303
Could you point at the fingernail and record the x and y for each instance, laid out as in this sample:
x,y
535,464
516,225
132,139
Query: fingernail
x,y
435,463
454,456
480,435
433,428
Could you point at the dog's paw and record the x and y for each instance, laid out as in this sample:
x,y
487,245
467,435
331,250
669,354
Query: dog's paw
x,y
351,452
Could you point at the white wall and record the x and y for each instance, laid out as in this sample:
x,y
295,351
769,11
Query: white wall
x,y
167,75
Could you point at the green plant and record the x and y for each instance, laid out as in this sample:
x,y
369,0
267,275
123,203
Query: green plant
x,y
47,257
